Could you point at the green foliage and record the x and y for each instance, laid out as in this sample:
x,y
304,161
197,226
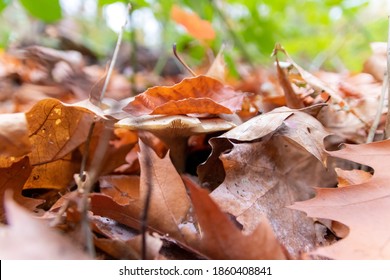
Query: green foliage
x,y
45,10
3,4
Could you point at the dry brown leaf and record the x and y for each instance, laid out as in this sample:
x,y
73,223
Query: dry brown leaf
x,y
13,178
197,27
54,175
221,239
292,99
14,141
169,204
56,130
196,95
123,189
363,207
261,178
29,238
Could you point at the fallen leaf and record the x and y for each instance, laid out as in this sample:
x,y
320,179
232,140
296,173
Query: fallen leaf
x,y
123,189
55,130
55,174
196,95
13,178
221,239
262,177
292,99
363,207
14,141
26,237
197,27
169,204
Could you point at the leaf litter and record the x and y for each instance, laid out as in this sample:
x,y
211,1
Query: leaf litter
x,y
266,151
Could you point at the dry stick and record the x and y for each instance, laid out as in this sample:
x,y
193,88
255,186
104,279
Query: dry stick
x,y
145,211
84,185
375,123
387,126
182,61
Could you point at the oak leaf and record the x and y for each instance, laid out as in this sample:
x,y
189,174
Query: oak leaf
x,y
197,27
198,95
363,207
261,165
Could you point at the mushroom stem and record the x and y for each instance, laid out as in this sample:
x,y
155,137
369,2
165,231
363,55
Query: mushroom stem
x,y
177,146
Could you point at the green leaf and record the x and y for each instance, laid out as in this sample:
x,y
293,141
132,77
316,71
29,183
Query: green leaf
x,y
4,4
135,3
45,10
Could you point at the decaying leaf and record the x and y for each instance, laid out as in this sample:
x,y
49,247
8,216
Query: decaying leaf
x,y
197,27
363,207
33,238
196,95
221,239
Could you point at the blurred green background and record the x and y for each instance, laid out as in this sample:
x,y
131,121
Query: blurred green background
x,y
330,34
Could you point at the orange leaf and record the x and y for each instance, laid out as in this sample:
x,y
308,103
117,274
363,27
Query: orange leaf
x,y
196,95
197,27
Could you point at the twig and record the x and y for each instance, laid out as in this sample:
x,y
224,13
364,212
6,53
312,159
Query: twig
x,y
387,126
86,181
145,211
114,56
378,114
182,61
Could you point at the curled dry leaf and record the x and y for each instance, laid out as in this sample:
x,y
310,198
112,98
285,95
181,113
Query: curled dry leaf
x,y
221,239
197,27
33,238
198,95
363,207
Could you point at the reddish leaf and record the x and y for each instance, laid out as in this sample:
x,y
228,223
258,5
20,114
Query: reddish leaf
x,y
198,95
197,27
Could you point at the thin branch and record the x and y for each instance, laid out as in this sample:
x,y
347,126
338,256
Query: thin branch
x,y
145,210
182,61
379,110
114,56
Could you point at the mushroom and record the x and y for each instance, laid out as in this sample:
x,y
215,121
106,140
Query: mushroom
x,y
175,130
